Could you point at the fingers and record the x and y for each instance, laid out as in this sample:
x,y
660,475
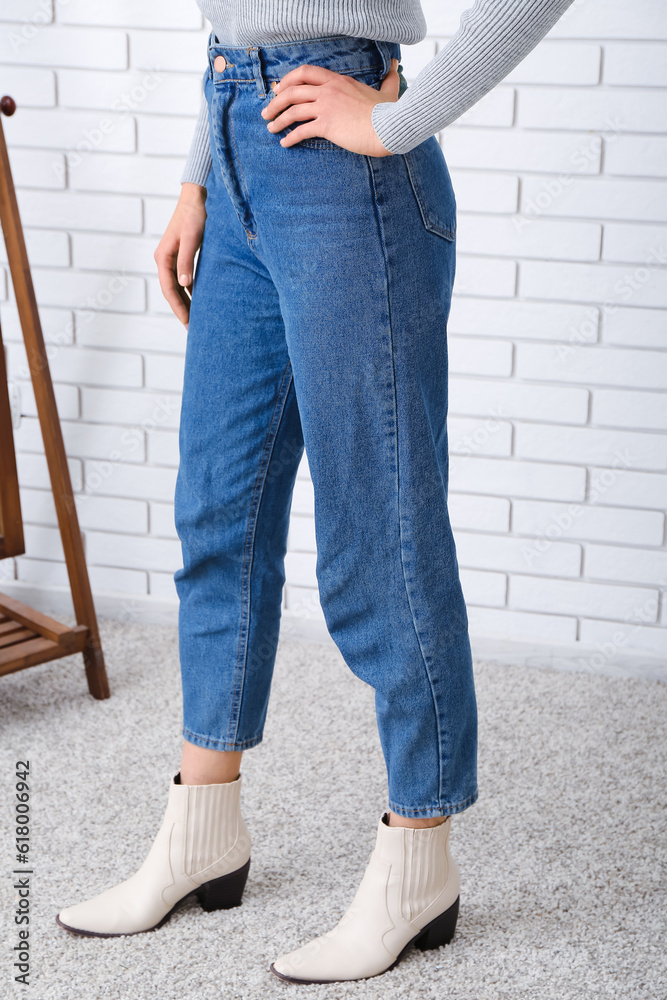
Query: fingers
x,y
175,294
185,263
307,73
175,254
294,113
290,98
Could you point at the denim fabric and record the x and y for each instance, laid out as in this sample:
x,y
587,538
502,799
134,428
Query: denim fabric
x,y
319,319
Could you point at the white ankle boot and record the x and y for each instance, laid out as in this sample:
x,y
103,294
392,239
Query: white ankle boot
x,y
202,848
409,894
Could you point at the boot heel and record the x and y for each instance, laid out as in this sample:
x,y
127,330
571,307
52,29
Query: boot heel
x,y
439,931
225,892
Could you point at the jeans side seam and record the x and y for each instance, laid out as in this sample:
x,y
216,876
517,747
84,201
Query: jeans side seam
x,y
378,216
248,551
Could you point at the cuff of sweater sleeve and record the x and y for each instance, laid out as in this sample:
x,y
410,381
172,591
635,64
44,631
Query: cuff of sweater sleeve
x,y
396,134
197,169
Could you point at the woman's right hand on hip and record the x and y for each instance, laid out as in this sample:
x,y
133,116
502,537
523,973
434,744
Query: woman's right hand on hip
x,y
175,253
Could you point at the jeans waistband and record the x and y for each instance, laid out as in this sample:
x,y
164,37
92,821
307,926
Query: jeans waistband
x,y
263,63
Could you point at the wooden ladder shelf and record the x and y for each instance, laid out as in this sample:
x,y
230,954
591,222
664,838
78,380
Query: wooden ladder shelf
x,y
28,637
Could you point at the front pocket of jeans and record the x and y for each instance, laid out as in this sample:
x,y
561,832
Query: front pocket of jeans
x,y
432,187
315,142
373,78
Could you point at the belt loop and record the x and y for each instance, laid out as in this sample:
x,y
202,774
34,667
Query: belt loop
x,y
253,52
212,39
383,49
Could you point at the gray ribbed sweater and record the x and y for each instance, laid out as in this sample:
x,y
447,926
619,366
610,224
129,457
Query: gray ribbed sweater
x,y
493,37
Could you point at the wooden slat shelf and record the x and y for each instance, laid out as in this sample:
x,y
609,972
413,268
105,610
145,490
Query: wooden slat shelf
x,y
34,649
28,637
8,626
19,612
18,635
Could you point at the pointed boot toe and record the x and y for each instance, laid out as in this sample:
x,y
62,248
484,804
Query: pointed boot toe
x,y
103,915
202,849
409,894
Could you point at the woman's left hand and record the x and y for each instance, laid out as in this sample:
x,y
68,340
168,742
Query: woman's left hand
x,y
337,107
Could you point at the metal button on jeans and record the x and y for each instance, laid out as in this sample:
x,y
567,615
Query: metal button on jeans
x,y
219,64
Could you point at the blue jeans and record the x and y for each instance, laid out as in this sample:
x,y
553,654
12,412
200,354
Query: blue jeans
x,y
318,319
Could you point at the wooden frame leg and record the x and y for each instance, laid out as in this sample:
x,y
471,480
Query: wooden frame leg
x,y
56,457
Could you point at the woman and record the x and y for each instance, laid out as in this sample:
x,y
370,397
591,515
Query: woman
x,y
326,218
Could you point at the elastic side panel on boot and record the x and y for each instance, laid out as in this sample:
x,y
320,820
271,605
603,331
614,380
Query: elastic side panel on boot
x,y
424,870
212,824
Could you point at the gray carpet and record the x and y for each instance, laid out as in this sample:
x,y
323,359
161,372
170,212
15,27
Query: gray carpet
x,y
562,857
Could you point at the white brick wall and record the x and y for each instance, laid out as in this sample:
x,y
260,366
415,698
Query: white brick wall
x,y
558,331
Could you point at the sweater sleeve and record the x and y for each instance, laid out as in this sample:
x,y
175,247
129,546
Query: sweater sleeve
x,y
493,37
199,160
